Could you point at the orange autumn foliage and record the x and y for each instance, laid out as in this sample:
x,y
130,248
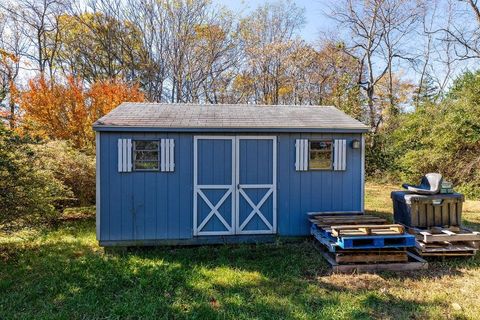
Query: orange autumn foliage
x,y
67,110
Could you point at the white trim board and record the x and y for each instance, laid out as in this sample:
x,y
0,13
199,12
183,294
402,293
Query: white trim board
x,y
97,184
362,187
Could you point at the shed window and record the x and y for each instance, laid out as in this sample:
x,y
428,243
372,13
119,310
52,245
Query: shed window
x,y
320,155
146,155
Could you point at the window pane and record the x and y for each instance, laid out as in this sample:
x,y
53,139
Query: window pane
x,y
150,165
146,155
321,145
146,145
320,155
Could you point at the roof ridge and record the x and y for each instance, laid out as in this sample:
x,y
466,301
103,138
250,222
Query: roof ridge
x,y
230,104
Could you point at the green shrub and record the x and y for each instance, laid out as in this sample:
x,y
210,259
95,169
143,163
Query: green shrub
x,y
443,137
470,190
27,192
75,169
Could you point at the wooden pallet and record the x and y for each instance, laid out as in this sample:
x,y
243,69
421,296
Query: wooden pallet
x,y
370,256
452,234
336,220
414,262
367,230
445,249
374,242
336,213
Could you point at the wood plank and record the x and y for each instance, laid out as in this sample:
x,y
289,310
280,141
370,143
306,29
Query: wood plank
x,y
364,230
448,232
371,257
444,249
452,213
445,234
430,217
346,220
447,254
335,213
414,263
437,215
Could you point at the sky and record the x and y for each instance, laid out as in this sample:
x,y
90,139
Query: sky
x,y
314,16
317,21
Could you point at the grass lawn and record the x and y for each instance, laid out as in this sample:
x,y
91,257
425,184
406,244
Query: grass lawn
x,y
62,273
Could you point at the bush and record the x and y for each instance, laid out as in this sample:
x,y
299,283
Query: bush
x,y
443,137
470,190
75,169
26,190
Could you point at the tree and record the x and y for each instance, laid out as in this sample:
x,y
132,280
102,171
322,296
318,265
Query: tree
x,y
443,137
67,110
269,36
38,21
95,46
326,76
377,31
464,36
9,66
395,88
12,46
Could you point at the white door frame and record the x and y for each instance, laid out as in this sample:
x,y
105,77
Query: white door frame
x,y
197,191
272,192
235,190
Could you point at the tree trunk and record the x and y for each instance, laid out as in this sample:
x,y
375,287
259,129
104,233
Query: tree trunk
x,y
12,113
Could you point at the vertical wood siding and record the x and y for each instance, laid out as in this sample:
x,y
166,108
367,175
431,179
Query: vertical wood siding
x,y
159,205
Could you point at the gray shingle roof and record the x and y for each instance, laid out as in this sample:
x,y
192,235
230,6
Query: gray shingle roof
x,y
201,116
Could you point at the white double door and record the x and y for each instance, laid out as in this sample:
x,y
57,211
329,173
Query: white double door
x,y
234,185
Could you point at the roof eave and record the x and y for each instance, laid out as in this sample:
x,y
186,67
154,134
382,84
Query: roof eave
x,y
360,129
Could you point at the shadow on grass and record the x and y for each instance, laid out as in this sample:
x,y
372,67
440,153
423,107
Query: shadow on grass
x,y
474,225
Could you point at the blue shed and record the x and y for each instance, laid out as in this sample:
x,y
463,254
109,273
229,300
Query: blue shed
x,y
195,174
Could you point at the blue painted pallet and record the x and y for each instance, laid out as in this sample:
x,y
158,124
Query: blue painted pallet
x,y
362,242
376,242
324,233
319,234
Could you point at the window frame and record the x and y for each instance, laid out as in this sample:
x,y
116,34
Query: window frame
x,y
134,150
332,152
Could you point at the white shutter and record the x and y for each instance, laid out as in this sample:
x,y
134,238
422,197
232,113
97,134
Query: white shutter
x,y
167,155
301,154
172,155
340,155
124,155
162,155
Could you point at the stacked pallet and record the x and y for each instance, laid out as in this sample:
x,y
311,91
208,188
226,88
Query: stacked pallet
x,y
451,241
436,222
358,242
